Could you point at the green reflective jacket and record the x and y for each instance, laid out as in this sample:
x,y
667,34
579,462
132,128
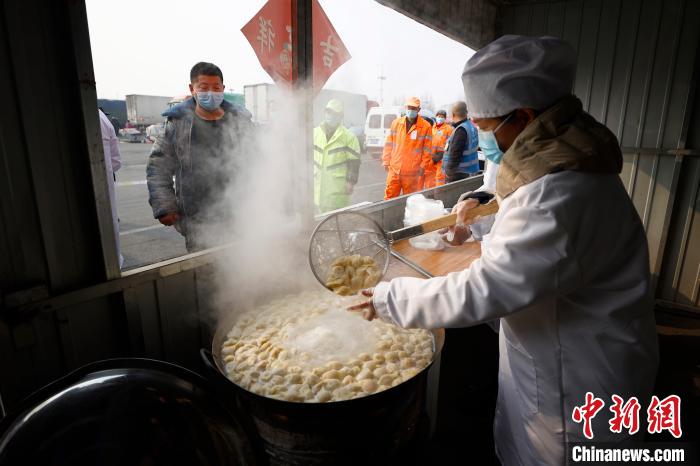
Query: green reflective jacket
x,y
336,163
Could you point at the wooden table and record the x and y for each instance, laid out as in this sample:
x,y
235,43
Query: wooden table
x,y
436,263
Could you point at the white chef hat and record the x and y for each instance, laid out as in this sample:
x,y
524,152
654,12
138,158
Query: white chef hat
x,y
518,72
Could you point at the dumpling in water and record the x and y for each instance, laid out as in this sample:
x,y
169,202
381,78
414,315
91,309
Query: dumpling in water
x,y
297,349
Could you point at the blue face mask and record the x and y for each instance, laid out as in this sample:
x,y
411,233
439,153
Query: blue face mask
x,y
411,114
489,146
440,120
209,100
489,143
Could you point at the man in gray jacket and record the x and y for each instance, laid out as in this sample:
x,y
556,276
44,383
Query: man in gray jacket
x,y
202,148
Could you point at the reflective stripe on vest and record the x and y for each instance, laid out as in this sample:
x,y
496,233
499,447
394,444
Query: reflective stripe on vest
x,y
343,149
469,160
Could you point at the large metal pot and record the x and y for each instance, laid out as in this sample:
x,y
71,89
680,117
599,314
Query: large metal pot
x,y
124,412
368,430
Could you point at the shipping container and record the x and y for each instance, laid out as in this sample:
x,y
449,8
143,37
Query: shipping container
x,y
146,110
261,101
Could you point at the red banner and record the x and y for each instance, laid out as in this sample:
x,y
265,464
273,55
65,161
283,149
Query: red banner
x,y
329,52
270,34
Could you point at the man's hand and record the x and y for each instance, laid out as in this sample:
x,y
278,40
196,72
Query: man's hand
x,y
456,235
169,219
349,187
463,208
461,232
366,308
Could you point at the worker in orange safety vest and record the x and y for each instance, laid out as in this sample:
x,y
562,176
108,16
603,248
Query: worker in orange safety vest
x,y
407,152
441,132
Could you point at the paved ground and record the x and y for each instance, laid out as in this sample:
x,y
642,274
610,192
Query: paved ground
x,y
145,241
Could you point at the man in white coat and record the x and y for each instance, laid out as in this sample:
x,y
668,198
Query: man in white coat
x,y
565,266
480,226
113,162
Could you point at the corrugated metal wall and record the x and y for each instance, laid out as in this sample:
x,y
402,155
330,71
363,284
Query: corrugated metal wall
x,y
155,313
468,21
636,72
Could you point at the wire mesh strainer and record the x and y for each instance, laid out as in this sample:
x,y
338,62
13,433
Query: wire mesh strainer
x,y
342,245
347,234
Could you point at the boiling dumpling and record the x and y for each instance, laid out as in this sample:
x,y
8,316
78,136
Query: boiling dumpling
x,y
256,359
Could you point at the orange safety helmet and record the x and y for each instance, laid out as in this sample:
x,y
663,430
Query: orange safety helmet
x,y
413,102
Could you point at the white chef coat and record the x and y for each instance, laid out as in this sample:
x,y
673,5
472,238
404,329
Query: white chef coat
x,y
483,225
566,268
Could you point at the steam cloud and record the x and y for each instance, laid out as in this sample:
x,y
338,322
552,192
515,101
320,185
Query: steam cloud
x,y
270,205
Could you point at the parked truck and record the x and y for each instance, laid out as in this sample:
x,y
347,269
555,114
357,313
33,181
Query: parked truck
x,y
262,101
145,110
259,101
116,109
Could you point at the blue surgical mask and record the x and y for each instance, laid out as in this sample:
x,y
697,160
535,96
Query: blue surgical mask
x,y
489,143
209,100
489,146
411,114
440,120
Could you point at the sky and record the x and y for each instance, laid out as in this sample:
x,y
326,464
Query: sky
x,y
148,47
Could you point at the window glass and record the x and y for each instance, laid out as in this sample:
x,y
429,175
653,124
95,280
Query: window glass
x,y
136,84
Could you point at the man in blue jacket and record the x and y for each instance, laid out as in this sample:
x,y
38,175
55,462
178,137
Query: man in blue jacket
x,y
461,159
202,148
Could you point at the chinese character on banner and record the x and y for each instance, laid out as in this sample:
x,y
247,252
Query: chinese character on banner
x,y
270,34
665,415
266,35
587,412
329,52
625,415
